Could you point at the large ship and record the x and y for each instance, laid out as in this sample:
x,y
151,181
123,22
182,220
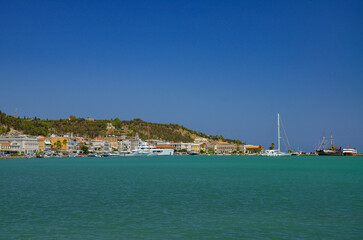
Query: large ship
x,y
350,152
149,150
332,151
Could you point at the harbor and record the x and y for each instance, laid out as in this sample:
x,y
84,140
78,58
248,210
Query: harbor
x,y
181,120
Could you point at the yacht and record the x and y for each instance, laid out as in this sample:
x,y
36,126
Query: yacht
x,y
149,150
276,153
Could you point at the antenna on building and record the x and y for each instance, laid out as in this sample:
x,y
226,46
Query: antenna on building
x,y
16,113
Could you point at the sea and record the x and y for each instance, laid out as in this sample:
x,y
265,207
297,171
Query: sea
x,y
182,197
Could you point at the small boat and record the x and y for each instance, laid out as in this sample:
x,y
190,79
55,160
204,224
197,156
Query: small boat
x,y
93,155
194,153
40,156
350,152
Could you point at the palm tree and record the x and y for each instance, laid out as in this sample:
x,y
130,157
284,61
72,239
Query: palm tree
x,y
272,146
58,144
65,142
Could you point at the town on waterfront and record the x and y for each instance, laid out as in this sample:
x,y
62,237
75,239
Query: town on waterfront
x,y
14,143
78,137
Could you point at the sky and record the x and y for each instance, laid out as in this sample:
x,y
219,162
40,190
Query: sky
x,y
219,67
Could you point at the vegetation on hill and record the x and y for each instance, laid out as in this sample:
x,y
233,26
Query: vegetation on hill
x,y
98,128
27,126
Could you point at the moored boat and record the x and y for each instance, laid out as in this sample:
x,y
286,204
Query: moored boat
x,y
149,150
350,152
332,151
276,153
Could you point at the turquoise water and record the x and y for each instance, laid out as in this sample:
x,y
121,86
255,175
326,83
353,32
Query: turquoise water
x,y
186,197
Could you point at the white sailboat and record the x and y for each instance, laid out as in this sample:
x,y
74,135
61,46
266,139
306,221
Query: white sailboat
x,y
273,152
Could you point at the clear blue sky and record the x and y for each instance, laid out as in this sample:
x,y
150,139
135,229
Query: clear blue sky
x,y
221,67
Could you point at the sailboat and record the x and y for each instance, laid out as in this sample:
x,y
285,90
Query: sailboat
x,y
273,152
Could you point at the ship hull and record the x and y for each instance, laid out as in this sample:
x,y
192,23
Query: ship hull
x,y
329,153
350,154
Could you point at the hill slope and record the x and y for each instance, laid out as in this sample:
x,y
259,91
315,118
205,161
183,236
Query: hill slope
x,y
84,128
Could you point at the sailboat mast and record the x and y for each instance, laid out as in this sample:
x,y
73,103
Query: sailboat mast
x,y
278,132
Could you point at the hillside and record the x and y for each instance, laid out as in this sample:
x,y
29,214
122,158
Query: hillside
x,y
98,128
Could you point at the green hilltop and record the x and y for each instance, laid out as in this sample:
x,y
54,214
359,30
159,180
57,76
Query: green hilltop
x,y
99,128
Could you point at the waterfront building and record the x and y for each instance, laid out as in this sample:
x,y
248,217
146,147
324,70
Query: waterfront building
x,y
224,147
180,146
97,144
208,146
60,143
113,141
124,145
44,144
6,148
41,142
252,148
129,144
23,144
73,144
100,144
196,147
107,147
47,145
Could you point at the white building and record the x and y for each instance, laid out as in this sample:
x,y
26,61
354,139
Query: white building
x,y
27,145
100,144
127,145
6,148
72,144
200,140
181,145
47,145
